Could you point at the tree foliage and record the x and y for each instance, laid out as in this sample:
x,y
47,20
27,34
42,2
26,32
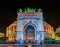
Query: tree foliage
x,y
57,32
49,39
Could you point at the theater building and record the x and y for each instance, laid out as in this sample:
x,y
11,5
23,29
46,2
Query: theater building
x,y
29,28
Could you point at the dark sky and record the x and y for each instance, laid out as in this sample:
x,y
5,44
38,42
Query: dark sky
x,y
8,11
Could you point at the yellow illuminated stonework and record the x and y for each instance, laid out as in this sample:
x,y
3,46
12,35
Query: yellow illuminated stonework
x,y
11,32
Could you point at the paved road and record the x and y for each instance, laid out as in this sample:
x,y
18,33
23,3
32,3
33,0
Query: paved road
x,y
31,45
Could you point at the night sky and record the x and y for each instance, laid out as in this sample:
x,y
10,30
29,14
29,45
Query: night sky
x,y
8,11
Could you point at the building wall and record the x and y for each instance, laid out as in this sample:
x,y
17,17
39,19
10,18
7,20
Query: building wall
x,y
12,28
49,30
11,32
2,34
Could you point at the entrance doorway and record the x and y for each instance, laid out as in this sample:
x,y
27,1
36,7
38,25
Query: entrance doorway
x,y
29,33
29,41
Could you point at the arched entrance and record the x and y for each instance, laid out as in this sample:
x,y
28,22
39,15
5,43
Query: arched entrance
x,y
29,32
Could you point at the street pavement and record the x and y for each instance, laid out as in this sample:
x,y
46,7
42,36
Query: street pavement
x,y
45,45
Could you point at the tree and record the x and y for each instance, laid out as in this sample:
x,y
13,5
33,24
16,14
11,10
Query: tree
x,y
49,40
57,32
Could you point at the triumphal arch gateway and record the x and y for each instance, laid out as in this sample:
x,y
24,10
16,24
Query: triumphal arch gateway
x,y
30,27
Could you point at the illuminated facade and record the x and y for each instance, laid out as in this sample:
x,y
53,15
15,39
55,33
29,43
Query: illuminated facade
x,y
11,32
30,27
49,30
